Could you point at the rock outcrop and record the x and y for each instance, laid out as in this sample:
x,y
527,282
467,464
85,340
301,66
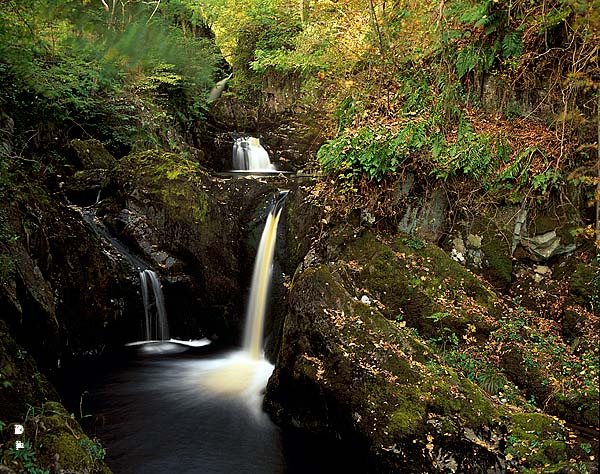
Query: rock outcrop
x,y
195,229
63,294
379,350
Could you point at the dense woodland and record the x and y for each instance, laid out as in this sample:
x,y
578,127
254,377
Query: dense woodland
x,y
495,104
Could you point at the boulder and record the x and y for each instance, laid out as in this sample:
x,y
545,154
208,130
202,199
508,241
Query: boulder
x,y
91,154
381,345
52,440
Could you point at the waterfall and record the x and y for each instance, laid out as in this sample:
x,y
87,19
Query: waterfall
x,y
218,89
249,154
261,281
156,325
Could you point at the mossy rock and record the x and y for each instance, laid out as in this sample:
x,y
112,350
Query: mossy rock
x,y
165,204
415,283
536,440
92,154
62,442
584,285
175,181
355,371
344,368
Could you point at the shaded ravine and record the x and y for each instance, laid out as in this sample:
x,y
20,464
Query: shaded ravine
x,y
168,410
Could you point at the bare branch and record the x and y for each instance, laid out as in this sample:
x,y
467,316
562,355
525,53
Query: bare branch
x,y
156,8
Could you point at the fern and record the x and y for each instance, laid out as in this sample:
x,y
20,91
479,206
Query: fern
x,y
466,61
512,45
478,57
476,14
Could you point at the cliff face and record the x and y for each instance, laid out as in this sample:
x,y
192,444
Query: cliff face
x,y
62,293
381,346
198,231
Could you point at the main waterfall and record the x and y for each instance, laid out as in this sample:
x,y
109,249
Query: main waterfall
x,y
244,374
261,282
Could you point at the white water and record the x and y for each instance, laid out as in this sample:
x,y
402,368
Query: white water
x,y
244,374
249,155
259,290
156,324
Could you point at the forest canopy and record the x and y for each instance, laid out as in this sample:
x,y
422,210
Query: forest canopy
x,y
89,64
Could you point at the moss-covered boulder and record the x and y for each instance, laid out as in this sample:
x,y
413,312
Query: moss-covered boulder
x,y
416,282
347,372
91,154
51,440
402,353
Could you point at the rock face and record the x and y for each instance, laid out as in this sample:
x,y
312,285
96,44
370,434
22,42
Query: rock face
x,y
52,439
346,371
187,223
371,355
61,293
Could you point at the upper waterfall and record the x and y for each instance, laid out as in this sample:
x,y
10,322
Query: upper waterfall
x,y
249,154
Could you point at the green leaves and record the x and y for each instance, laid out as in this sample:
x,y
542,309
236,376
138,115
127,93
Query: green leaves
x,y
70,62
512,44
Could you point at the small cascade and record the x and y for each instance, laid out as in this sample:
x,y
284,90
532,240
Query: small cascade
x,y
218,89
90,218
261,281
249,155
156,325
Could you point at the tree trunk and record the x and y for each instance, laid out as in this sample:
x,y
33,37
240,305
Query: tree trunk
x,y
597,196
304,8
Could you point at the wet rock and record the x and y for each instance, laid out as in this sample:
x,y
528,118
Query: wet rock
x,y
64,294
545,246
85,186
426,217
91,154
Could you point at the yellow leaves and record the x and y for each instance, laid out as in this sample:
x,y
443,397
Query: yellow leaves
x,y
429,444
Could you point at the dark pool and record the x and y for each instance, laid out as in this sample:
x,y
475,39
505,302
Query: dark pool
x,y
168,411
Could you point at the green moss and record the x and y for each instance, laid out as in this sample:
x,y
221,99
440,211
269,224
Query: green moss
x,y
177,182
452,395
581,283
498,260
93,154
542,224
414,282
60,435
409,413
537,438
